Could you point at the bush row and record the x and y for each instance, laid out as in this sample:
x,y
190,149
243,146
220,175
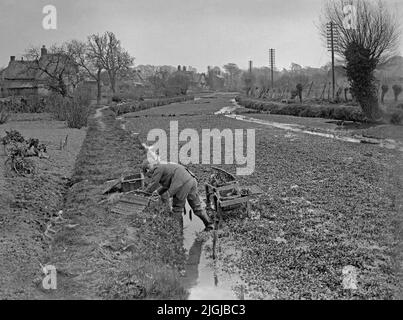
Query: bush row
x,y
28,104
337,112
74,111
129,107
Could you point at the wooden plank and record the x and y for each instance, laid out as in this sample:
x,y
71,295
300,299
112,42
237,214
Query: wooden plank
x,y
110,185
228,187
135,199
254,190
233,202
127,209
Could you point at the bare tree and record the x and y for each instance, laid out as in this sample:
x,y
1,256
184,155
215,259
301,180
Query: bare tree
x,y
234,74
368,35
86,56
397,90
53,68
249,80
109,53
159,80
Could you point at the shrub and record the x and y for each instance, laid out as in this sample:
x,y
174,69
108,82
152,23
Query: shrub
x,y
78,110
4,115
74,110
397,90
57,106
26,104
385,89
116,99
396,117
34,104
76,115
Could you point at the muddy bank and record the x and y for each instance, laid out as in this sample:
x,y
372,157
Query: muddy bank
x,y
109,255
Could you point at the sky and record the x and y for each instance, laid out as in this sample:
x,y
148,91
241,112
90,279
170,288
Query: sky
x,y
194,33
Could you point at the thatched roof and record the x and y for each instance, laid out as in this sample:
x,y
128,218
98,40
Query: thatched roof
x,y
26,74
20,70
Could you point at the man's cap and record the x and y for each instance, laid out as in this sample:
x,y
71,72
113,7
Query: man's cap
x,y
147,164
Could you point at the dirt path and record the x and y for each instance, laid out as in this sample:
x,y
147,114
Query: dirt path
x,y
98,117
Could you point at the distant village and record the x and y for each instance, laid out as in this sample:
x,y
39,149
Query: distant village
x,y
24,77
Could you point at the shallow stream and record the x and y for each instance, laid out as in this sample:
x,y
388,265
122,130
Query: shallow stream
x,y
204,278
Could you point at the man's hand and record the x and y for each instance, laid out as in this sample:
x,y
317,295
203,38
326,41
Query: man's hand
x,y
155,195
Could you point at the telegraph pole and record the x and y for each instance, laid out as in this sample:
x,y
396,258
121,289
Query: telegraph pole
x,y
272,61
332,39
249,81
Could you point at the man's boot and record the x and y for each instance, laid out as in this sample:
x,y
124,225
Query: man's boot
x,y
208,223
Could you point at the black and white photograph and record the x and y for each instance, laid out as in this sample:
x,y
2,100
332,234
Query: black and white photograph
x,y
214,151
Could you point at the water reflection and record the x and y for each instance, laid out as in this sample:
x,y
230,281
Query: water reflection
x,y
203,279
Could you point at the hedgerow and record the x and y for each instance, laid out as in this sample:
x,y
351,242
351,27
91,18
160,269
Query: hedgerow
x,y
337,112
129,107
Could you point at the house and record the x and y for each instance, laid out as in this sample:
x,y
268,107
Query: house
x,y
215,79
18,78
200,80
32,77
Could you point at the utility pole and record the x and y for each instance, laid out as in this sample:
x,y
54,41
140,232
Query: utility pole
x,y
272,61
332,39
249,81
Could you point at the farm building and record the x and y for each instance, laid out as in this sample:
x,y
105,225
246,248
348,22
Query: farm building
x,y
23,77
18,78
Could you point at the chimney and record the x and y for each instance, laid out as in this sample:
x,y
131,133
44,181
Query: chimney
x,y
44,51
12,58
250,66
